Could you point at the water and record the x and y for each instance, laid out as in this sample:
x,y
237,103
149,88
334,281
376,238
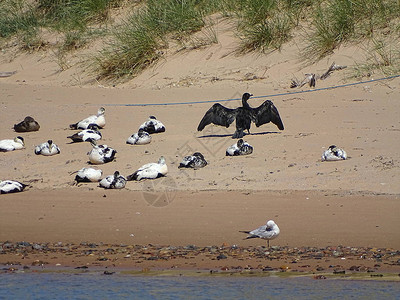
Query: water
x,y
92,286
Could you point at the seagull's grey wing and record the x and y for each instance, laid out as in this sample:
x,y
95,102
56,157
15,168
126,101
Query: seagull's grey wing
x,y
218,115
265,113
259,231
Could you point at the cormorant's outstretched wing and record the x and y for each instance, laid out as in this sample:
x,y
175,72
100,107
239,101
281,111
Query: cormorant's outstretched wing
x,y
218,115
265,113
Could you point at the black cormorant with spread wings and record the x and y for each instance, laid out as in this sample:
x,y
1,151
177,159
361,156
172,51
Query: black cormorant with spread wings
x,y
244,115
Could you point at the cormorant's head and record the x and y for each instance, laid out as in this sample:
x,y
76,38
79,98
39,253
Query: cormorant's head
x,y
246,96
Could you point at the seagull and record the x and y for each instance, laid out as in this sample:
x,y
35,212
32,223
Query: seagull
x,y
91,133
101,154
11,145
115,181
244,115
239,148
150,170
88,175
98,119
28,124
11,186
334,153
267,232
47,149
152,125
195,161
140,138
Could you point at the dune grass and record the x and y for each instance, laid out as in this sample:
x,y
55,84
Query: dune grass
x,y
146,34
340,21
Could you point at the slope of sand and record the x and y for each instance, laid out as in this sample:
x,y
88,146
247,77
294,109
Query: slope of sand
x,y
317,204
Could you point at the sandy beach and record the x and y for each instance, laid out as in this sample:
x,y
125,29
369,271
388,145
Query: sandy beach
x,y
336,206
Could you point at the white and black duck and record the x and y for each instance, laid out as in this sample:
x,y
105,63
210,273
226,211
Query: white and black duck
x,y
98,119
88,175
11,186
267,232
140,138
334,153
244,115
195,161
152,125
150,170
11,145
48,148
115,181
27,125
91,133
101,154
239,148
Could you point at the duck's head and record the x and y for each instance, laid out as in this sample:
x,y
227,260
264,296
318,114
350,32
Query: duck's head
x,y
161,161
93,126
198,154
50,142
19,139
101,111
28,119
152,118
116,173
240,143
92,142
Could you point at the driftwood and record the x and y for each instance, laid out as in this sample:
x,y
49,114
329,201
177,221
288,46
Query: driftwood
x,y
311,78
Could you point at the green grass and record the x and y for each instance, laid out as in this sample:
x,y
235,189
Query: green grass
x,y
347,21
17,16
153,26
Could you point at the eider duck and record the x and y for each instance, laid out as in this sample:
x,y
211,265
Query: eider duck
x,y
28,124
334,153
91,133
47,149
101,154
195,161
11,186
115,181
88,175
152,125
244,115
98,119
11,145
267,232
140,138
239,148
150,171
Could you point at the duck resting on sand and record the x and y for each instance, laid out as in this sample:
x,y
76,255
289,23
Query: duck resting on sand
x,y
140,138
86,135
88,175
150,170
28,124
334,153
244,115
115,181
239,148
101,154
11,145
195,161
152,125
11,186
98,119
47,149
